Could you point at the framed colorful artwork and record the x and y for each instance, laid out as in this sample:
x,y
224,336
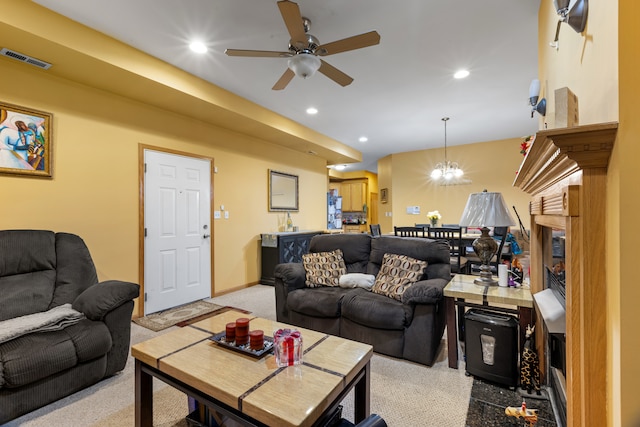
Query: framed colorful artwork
x,y
25,141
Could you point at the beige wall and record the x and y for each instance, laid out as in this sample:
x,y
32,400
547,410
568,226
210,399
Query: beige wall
x,y
624,332
600,67
94,189
407,175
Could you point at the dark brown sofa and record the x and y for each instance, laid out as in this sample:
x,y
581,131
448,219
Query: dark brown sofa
x,y
40,270
411,329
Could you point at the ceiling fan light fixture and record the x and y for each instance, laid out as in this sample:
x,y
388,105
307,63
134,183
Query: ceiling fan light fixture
x,y
461,74
304,65
198,47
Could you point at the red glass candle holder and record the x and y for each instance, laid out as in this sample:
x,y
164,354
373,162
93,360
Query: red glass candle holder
x,y
242,331
230,332
256,339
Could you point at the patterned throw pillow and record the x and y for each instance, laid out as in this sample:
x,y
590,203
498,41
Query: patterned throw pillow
x,y
323,268
397,273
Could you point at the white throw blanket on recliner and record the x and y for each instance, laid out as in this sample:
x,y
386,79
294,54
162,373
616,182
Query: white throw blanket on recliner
x,y
55,319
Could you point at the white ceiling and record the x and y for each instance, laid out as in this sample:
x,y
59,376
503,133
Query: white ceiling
x,y
402,87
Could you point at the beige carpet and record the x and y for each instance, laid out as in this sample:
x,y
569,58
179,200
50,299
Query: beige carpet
x,y
403,393
167,318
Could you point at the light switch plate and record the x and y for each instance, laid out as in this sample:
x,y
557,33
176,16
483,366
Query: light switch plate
x,y
216,214
226,214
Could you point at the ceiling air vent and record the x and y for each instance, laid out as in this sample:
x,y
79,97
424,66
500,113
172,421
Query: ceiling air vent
x,y
25,58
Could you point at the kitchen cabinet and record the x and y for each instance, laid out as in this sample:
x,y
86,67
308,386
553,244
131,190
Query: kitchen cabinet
x,y
355,228
278,248
354,196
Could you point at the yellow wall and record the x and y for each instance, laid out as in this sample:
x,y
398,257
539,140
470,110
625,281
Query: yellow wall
x,y
625,292
600,67
585,63
411,184
385,181
94,189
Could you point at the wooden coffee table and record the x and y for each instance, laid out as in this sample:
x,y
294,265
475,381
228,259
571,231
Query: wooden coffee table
x,y
253,390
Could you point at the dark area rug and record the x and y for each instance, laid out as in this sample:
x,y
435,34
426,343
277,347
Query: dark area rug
x,y
488,402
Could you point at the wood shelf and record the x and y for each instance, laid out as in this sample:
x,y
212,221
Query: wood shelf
x,y
555,154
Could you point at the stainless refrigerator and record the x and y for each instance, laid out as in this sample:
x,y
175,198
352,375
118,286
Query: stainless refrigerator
x,y
334,210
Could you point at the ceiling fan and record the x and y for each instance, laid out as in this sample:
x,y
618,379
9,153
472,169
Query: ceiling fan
x,y
305,50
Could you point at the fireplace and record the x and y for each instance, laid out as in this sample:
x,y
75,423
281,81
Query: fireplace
x,y
551,304
565,172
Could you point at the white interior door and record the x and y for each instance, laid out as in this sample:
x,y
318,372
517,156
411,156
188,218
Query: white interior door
x,y
177,221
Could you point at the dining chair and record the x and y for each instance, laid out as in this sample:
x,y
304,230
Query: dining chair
x,y
459,263
409,231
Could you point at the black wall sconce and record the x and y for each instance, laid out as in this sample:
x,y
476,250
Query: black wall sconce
x,y
573,14
534,94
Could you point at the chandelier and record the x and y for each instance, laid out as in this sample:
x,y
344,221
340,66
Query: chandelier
x,y
446,170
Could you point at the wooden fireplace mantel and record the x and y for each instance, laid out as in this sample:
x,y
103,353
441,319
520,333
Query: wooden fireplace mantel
x,y
565,171
558,153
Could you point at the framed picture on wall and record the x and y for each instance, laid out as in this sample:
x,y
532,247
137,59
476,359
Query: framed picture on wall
x,y
384,195
25,141
283,191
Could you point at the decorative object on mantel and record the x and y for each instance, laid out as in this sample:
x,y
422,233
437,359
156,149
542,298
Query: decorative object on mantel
x,y
534,94
486,210
447,170
576,17
525,144
566,108
434,217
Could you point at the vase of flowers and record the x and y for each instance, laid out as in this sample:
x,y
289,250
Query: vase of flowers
x,y
434,217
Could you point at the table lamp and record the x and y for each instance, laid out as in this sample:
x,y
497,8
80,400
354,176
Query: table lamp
x,y
486,210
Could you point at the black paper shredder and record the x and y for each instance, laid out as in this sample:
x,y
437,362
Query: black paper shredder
x,y
492,346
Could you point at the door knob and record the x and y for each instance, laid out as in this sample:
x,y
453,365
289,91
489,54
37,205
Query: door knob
x,y
206,236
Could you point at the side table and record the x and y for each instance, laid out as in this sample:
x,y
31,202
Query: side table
x,y
462,288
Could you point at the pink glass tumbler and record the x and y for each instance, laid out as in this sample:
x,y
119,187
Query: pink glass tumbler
x,y
288,347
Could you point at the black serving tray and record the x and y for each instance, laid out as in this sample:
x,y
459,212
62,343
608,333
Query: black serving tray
x,y
220,339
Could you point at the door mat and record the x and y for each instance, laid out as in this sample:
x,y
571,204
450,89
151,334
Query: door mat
x,y
171,317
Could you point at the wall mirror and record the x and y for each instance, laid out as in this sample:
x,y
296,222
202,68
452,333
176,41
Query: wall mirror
x,y
283,191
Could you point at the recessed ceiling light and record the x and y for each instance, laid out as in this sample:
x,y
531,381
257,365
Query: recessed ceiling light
x,y
198,47
363,139
340,167
461,74
312,110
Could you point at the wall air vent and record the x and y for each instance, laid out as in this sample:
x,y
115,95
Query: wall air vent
x,y
25,58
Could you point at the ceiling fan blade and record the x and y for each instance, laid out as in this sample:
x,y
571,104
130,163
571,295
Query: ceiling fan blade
x,y
257,53
350,43
293,20
334,74
284,80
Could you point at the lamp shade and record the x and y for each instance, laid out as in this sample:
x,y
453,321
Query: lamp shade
x,y
486,210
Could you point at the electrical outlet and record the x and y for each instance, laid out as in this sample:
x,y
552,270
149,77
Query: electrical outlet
x,y
226,214
216,214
